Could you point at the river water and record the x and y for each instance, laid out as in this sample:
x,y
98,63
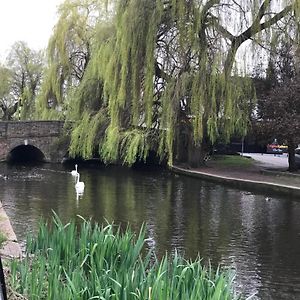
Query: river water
x,y
255,235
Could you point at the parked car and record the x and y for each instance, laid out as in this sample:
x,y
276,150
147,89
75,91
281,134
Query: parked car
x,y
276,149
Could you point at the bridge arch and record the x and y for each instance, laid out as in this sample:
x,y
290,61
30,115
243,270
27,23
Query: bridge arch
x,y
25,136
25,153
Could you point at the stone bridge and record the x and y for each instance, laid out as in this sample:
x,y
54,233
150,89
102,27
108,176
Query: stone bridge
x,y
37,140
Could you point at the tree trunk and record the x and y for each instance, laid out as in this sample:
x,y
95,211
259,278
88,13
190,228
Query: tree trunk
x,y
195,155
187,153
291,158
181,148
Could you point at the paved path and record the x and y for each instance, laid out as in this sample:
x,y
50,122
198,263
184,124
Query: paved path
x,y
248,180
270,161
275,180
11,248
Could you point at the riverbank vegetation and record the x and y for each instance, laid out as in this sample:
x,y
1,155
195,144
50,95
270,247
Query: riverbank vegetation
x,y
65,261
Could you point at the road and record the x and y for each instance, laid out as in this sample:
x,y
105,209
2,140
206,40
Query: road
x,y
270,161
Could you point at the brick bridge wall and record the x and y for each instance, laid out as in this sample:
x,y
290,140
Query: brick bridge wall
x,y
40,134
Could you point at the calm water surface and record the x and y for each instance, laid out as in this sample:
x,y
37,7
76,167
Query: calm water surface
x,y
256,237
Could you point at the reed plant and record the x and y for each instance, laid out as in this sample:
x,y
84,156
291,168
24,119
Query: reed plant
x,y
65,261
3,239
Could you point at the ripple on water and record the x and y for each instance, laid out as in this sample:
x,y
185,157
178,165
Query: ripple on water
x,y
240,230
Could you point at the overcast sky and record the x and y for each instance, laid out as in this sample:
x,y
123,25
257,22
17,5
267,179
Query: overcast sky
x,y
31,21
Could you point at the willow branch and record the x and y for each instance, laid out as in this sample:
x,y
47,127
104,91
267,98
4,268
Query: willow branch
x,y
255,28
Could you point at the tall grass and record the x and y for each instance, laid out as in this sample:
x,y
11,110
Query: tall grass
x,y
3,239
92,262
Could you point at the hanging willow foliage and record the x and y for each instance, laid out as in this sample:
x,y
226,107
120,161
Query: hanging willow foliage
x,y
158,64
69,52
85,134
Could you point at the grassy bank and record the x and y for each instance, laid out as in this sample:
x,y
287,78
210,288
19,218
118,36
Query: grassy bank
x,y
93,262
231,161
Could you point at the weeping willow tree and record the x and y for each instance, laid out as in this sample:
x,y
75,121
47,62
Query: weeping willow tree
x,y
69,52
167,75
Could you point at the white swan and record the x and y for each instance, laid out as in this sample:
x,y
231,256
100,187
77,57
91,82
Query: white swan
x,y
79,185
74,172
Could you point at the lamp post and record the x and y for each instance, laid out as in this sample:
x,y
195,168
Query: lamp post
x,y
243,146
3,295
20,108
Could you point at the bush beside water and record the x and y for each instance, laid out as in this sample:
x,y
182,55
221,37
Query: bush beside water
x,y
92,262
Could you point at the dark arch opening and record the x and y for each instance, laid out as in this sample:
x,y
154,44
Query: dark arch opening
x,y
25,153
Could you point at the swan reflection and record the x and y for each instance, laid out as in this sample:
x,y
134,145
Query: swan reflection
x,y
79,195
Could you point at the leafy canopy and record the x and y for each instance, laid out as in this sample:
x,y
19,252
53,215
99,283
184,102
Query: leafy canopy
x,y
151,71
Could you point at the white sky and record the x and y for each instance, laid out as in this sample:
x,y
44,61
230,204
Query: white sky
x,y
30,21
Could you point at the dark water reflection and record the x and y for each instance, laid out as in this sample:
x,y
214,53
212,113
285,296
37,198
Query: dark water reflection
x,y
257,238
